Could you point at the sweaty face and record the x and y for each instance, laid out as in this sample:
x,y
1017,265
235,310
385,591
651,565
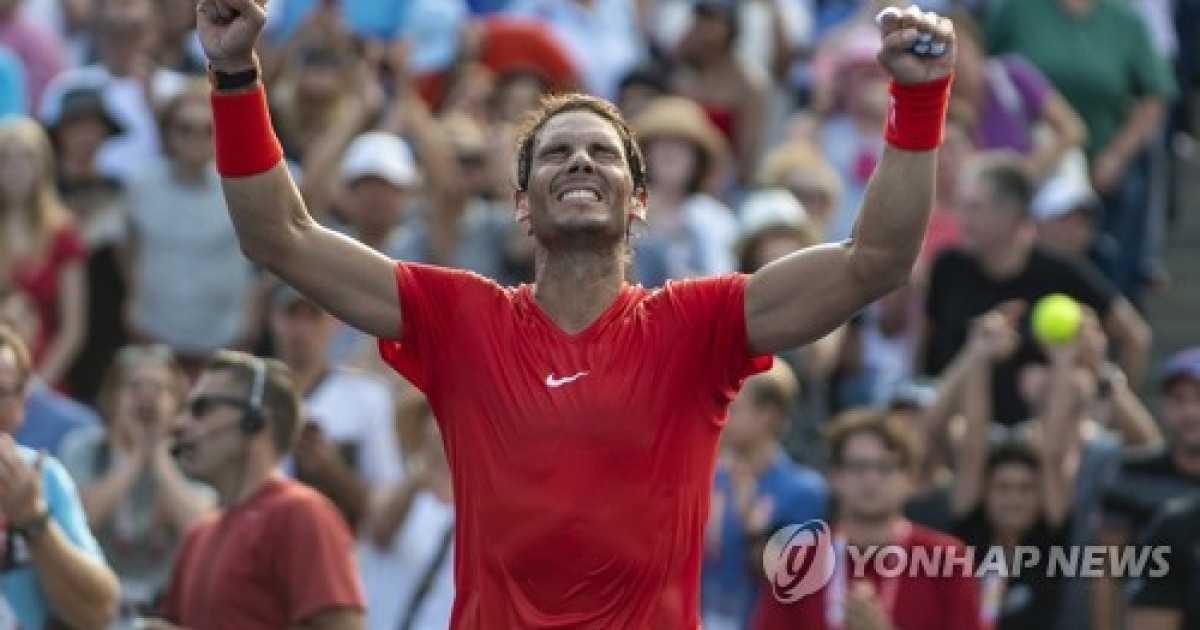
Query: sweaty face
x,y
871,482
580,191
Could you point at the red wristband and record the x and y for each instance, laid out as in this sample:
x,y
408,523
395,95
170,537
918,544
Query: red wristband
x,y
917,117
245,141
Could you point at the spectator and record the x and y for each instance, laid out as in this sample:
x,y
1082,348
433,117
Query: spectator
x,y
873,459
758,489
347,444
690,232
1068,213
49,415
1117,82
134,494
45,256
1171,601
799,166
604,37
54,569
179,228
1013,102
83,124
412,558
40,51
640,87
1149,480
177,47
132,85
998,262
732,94
919,403
277,554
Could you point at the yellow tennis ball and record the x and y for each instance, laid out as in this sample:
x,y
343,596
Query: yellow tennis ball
x,y
1056,319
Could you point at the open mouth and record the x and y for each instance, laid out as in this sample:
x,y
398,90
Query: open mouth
x,y
579,194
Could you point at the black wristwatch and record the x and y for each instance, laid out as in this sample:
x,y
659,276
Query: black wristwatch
x,y
233,81
33,527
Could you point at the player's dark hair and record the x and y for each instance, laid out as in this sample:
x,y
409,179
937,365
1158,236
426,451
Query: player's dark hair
x,y
1010,184
555,104
280,404
892,429
1012,453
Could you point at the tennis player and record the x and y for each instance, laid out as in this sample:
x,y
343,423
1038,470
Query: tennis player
x,y
579,414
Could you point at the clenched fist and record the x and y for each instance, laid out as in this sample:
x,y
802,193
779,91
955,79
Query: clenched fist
x,y
918,46
228,31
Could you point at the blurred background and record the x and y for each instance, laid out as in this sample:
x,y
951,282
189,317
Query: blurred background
x,y
1069,166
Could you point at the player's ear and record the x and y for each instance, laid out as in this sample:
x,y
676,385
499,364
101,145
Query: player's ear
x,y
521,202
637,204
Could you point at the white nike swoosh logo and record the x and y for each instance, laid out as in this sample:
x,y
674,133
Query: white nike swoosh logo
x,y
559,382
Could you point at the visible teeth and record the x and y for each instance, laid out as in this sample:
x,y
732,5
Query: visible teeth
x,y
587,195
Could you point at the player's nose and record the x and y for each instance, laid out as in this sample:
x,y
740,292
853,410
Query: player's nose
x,y
580,161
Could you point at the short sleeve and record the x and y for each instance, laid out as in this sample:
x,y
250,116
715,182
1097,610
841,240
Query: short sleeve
x,y
315,560
1030,83
710,318
68,245
1165,589
1151,73
66,507
431,300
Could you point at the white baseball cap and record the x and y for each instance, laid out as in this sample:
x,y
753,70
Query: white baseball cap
x,y
1063,195
383,155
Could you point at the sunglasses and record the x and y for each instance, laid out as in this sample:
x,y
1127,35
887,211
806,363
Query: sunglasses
x,y
200,407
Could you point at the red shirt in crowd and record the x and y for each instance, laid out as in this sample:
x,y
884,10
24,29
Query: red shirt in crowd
x,y
40,276
916,602
282,556
582,463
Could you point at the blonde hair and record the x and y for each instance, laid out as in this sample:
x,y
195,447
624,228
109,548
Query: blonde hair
x,y
44,204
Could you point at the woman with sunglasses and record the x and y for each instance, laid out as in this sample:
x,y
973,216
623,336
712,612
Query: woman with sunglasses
x,y
136,499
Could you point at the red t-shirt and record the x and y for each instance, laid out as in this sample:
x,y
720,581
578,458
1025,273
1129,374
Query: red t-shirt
x,y
921,602
40,276
282,556
582,464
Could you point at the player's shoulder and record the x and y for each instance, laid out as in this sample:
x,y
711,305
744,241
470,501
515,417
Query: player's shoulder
x,y
702,288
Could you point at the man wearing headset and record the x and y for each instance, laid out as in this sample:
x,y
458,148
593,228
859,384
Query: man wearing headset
x,y
277,554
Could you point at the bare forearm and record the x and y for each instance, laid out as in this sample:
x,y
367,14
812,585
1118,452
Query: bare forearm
x,y
80,590
894,215
1061,436
267,213
101,499
972,453
184,505
1140,126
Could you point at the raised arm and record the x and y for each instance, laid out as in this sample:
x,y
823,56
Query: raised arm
x,y
805,295
273,226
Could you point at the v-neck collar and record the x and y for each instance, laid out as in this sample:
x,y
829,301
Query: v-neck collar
x,y
613,311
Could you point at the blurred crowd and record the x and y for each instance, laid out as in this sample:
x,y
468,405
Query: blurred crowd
x,y
761,122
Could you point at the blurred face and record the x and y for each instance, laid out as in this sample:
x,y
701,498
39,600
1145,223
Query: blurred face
x,y
81,136
1012,498
179,16
126,28
208,426
146,399
19,171
475,171
1070,234
672,161
954,152
375,205
871,482
1181,410
634,98
322,74
12,391
301,333
749,424
190,135
987,226
814,194
580,191
866,89
519,96
711,32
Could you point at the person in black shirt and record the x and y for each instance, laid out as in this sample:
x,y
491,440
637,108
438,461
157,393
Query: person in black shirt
x,y
1018,493
999,262
1171,601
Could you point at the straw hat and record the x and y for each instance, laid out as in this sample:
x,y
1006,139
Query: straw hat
x,y
679,117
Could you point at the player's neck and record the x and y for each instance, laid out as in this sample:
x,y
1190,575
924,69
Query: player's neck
x,y
574,288
872,531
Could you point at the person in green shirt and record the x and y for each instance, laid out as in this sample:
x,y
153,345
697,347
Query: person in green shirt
x,y
1099,55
